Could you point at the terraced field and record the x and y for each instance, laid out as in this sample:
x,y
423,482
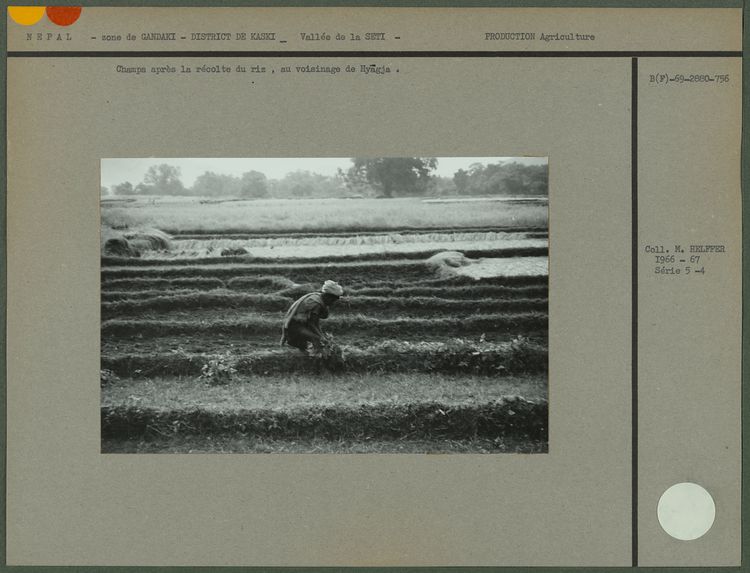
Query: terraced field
x,y
435,360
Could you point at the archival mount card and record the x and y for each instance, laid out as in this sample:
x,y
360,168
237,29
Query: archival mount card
x,y
374,286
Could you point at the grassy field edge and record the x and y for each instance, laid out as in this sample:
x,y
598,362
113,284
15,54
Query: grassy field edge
x,y
514,416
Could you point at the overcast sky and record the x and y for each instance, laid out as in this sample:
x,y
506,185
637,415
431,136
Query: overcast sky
x,y
115,171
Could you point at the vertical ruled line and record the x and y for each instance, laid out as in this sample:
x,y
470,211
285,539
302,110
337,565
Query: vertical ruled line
x,y
634,305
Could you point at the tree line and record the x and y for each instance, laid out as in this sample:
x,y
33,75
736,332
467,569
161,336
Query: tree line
x,y
366,177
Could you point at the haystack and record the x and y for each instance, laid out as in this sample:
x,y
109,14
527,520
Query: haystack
x,y
119,247
133,243
149,240
445,264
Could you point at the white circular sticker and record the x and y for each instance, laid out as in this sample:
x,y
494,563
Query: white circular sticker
x,y
686,511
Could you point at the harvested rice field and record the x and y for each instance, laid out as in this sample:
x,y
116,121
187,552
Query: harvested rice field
x,y
442,328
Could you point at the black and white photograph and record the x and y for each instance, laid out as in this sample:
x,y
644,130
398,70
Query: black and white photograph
x,y
324,305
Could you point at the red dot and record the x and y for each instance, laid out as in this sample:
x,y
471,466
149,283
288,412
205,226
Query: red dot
x,y
63,15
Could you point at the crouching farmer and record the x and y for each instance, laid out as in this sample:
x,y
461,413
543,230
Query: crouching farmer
x,y
301,323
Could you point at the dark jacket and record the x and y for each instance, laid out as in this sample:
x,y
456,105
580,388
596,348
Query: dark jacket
x,y
307,310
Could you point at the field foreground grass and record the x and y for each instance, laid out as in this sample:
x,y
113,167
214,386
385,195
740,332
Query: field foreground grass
x,y
291,390
240,444
485,412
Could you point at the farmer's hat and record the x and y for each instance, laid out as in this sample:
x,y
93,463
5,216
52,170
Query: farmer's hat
x,y
334,288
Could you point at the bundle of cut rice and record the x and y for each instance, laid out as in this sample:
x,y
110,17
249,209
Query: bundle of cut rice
x,y
330,354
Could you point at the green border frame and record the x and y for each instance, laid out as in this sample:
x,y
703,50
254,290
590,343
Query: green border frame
x,y
745,175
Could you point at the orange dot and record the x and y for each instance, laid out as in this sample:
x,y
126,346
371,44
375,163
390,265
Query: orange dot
x,y
26,15
63,15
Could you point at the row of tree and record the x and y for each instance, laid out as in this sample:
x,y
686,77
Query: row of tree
x,y
374,177
502,179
